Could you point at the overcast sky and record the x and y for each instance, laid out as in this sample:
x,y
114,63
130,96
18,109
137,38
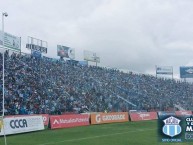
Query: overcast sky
x,y
126,34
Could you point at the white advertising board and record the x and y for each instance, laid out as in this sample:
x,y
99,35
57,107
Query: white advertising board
x,y
10,41
15,125
91,56
164,70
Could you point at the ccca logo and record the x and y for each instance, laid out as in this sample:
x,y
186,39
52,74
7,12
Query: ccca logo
x,y
18,123
172,126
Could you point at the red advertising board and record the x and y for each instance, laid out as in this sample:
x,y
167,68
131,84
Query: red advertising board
x,y
44,116
65,121
143,116
183,113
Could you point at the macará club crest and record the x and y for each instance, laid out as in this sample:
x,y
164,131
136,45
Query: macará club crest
x,y
172,126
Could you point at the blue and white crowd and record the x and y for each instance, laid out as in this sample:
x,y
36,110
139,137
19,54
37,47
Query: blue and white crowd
x,y
46,85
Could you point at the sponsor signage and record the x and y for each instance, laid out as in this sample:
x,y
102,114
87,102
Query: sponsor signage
x,y
165,70
83,63
186,72
66,121
38,45
15,125
139,116
91,56
34,47
10,41
36,54
45,117
166,113
101,118
183,113
64,51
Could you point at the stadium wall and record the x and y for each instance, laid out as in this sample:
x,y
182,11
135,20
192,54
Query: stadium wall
x,y
27,123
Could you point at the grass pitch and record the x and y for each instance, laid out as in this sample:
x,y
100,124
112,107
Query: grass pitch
x,y
130,133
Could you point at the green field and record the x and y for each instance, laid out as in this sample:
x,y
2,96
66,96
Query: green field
x,y
130,133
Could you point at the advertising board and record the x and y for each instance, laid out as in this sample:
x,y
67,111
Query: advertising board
x,y
10,41
100,118
91,56
21,124
165,113
64,51
139,116
66,121
164,70
183,113
186,72
45,117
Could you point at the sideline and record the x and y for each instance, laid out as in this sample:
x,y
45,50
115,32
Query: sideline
x,y
92,137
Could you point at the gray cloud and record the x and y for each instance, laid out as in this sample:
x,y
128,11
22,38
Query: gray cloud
x,y
128,34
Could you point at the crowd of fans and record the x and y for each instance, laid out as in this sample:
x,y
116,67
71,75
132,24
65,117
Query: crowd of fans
x,y
46,85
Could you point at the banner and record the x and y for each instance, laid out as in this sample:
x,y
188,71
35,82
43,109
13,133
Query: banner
x,y
34,47
15,125
164,70
66,121
64,51
165,113
45,117
186,72
91,56
101,118
83,63
143,116
183,113
10,41
36,54
1,124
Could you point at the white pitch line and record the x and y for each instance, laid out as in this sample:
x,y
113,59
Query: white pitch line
x,y
92,137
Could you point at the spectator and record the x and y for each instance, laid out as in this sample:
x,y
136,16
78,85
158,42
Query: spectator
x,y
46,85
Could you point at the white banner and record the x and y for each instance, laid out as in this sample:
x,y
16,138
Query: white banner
x,y
15,125
164,70
91,56
10,41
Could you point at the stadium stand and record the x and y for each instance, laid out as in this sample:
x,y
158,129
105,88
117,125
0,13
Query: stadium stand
x,y
47,85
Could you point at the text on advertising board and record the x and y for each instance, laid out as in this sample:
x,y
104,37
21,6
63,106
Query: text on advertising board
x,y
21,124
143,116
18,123
100,118
64,121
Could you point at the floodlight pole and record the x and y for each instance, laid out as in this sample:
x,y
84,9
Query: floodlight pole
x,y
4,14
